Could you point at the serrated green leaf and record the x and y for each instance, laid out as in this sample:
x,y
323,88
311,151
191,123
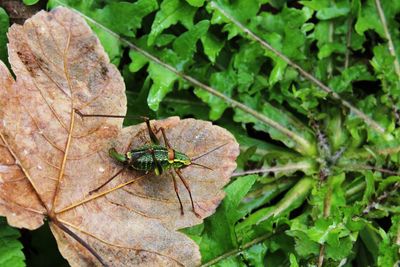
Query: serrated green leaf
x,y
212,46
219,229
170,13
223,82
10,248
255,254
123,17
185,44
163,81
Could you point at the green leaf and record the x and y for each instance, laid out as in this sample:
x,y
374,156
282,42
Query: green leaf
x,y
368,19
219,231
196,3
170,13
327,9
4,23
10,248
293,261
281,116
223,82
255,254
163,81
30,2
185,44
389,247
123,17
212,46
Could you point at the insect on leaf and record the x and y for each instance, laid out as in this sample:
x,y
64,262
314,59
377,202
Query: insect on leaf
x,y
51,159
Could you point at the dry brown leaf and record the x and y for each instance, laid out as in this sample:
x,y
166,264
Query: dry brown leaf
x,y
51,158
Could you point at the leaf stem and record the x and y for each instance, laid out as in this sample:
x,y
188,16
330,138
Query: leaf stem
x,y
237,251
305,146
304,73
288,167
79,240
392,50
64,160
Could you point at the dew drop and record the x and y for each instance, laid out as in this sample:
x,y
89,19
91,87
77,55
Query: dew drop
x,y
4,168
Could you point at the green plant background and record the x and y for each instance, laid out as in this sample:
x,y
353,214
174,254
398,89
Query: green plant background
x,y
312,96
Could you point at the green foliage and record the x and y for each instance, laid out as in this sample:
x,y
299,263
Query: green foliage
x,y
4,23
331,192
10,247
30,2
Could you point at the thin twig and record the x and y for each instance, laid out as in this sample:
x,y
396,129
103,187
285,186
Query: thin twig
x,y
321,255
237,251
304,73
368,167
392,50
326,214
348,42
381,198
330,39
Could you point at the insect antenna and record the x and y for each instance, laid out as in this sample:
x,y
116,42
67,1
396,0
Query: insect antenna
x,y
206,153
83,115
106,182
203,166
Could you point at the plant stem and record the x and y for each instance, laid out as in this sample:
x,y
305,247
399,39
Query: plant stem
x,y
348,42
392,50
79,240
237,251
289,167
330,62
304,73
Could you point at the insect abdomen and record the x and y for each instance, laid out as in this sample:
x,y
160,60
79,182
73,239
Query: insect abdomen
x,y
142,159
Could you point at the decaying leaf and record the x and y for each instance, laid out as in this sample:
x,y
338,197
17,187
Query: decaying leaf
x,y
51,158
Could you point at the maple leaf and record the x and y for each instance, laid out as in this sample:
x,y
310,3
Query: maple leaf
x,y
51,159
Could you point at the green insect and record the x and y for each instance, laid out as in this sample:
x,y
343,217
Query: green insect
x,y
154,158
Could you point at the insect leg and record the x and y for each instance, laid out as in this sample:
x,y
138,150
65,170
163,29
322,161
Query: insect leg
x,y
158,168
185,183
98,115
106,182
171,152
176,191
152,135
167,144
